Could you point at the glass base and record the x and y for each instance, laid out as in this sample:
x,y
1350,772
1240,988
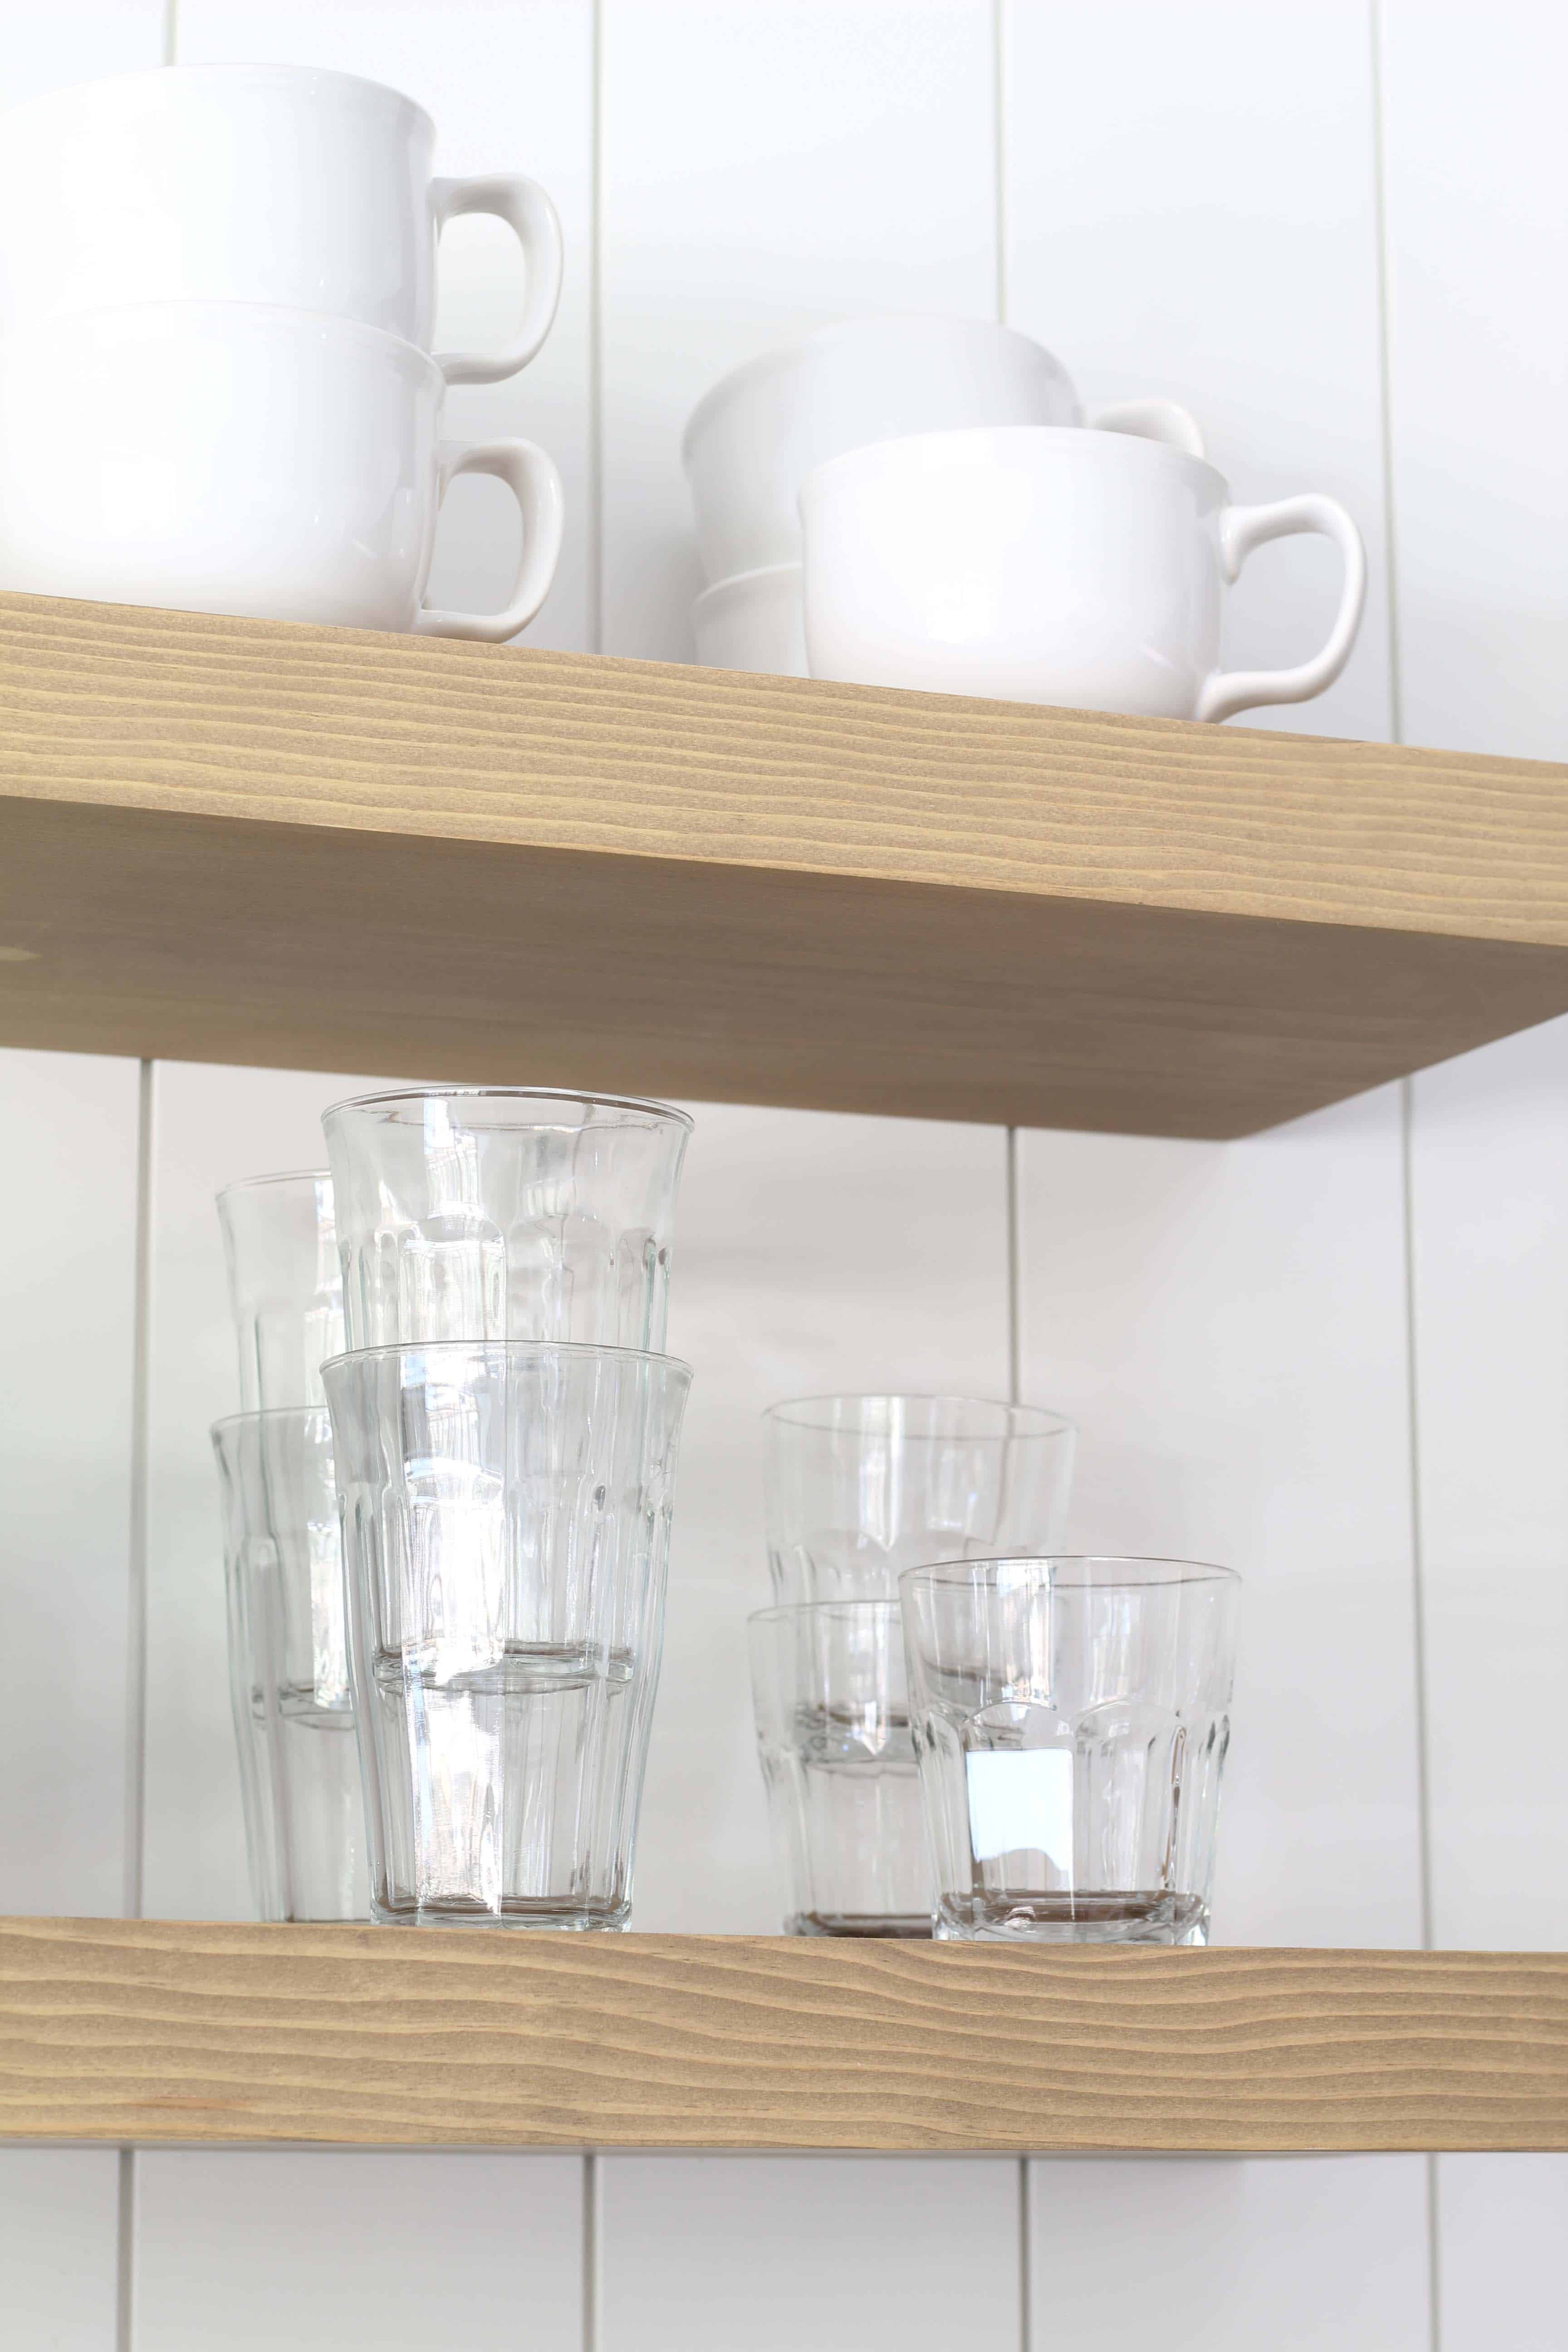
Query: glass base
x,y
1136,1916
546,1916
903,1928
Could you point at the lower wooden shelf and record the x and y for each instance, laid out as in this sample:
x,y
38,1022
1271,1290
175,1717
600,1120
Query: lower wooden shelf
x,y
134,2030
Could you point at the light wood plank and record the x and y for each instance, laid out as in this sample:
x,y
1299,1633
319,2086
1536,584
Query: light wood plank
x,y
247,841
157,2031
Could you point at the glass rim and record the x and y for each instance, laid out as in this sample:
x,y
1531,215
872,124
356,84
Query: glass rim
x,y
283,1176
781,1610
232,1421
1171,1576
522,1347
657,1112
813,1413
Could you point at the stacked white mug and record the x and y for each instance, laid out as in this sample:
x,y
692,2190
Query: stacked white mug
x,y
217,391
756,436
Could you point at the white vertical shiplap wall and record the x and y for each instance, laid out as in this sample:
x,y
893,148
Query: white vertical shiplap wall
x,y
1182,200
1476,195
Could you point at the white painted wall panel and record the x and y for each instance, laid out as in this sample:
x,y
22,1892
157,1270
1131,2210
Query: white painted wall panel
x,y
510,83
772,2254
319,2250
1313,2256
1192,209
767,170
813,1252
77,40
1499,2276
58,2224
1477,202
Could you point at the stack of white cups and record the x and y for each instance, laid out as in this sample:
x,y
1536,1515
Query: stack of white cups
x,y
218,393
760,433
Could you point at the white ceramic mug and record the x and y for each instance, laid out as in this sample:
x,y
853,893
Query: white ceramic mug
x,y
250,183
234,458
754,622
755,436
1059,566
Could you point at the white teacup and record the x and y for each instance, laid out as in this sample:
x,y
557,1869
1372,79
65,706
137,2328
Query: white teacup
x,y
1060,566
250,183
753,621
235,458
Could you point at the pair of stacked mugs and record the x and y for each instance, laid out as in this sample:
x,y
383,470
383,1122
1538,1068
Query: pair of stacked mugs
x,y
963,1732
443,1711
918,502
218,393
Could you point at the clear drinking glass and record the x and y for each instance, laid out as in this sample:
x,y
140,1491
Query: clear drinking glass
x,y
506,1531
844,1797
1069,1718
504,1212
293,1717
284,1285
860,1487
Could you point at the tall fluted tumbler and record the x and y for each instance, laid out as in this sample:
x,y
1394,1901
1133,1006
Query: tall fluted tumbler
x,y
1070,1718
284,1285
293,1717
504,1212
506,1513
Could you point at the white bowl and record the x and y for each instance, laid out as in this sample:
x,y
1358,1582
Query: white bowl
x,y
756,621
753,440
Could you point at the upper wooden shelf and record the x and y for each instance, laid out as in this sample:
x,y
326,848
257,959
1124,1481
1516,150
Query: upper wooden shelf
x,y
146,2031
242,841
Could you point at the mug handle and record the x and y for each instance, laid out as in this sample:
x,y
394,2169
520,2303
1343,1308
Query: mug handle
x,y
532,217
1241,528
532,480
1152,420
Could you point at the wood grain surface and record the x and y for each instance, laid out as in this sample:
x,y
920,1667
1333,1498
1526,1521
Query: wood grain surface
x,y
247,841
149,2030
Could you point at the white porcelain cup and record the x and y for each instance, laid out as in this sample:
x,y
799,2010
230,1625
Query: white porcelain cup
x,y
754,622
250,183
1060,566
234,457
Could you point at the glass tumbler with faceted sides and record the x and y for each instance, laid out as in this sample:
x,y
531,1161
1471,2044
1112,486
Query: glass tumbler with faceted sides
x,y
284,1285
470,1213
860,1487
506,1533
1070,1722
844,1797
288,1660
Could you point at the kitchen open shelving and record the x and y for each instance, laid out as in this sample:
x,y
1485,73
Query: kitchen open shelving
x,y
249,842
149,2030
245,841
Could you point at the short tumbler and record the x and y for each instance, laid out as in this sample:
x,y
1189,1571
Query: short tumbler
x,y
506,1528
861,1487
1070,1716
472,1213
284,1285
844,1797
293,1717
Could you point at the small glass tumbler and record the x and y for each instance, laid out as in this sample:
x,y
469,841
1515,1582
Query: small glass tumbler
x,y
860,1487
506,1534
1070,1716
472,1213
844,1797
284,1285
293,1717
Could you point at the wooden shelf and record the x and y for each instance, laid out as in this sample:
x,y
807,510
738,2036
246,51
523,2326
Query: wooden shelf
x,y
242,841
149,2031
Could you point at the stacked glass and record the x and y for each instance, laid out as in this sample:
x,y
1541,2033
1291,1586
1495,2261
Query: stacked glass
x,y
505,1438
861,1488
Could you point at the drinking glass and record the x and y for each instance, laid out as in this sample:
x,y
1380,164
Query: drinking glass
x,y
293,1717
475,1212
1069,1718
844,1800
284,1285
506,1529
860,1487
